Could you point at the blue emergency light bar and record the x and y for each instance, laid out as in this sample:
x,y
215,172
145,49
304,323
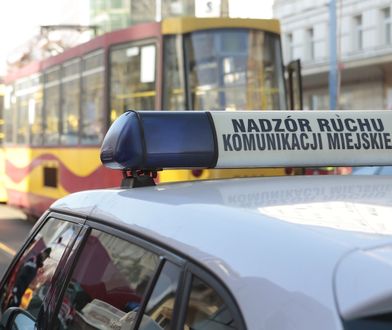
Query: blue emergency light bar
x,y
152,140
158,139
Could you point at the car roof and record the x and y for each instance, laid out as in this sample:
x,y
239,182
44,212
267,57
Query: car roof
x,y
273,241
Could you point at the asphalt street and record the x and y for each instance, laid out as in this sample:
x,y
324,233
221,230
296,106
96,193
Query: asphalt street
x,y
14,228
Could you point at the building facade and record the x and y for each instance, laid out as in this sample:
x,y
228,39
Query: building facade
x,y
117,14
364,50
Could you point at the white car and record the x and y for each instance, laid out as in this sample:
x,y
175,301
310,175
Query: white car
x,y
296,252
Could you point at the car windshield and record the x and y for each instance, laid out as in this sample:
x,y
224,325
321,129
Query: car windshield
x,y
228,69
235,69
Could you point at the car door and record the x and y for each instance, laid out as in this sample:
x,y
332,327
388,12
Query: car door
x,y
188,297
122,281
108,283
35,274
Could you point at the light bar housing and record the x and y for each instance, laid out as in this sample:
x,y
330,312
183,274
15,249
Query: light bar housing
x,y
152,140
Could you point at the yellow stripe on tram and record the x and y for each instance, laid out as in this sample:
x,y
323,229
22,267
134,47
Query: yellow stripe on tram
x,y
136,95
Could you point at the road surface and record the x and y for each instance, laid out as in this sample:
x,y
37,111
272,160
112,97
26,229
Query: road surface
x,y
14,228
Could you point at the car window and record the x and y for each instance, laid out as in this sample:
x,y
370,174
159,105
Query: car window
x,y
378,322
158,313
206,309
31,277
107,285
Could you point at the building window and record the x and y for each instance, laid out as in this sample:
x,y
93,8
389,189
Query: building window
x,y
290,47
310,44
358,33
386,26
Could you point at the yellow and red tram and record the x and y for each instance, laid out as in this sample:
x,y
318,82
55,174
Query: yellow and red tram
x,y
57,111
3,193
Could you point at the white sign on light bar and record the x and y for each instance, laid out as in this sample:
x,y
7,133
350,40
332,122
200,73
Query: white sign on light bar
x,y
148,140
303,138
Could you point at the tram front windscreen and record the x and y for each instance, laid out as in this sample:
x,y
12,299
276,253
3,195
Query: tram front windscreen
x,y
224,69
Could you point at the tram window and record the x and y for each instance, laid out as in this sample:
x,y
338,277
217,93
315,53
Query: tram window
x,y
52,104
92,116
22,124
35,112
23,111
174,91
234,69
70,104
1,118
132,86
22,127
9,113
232,42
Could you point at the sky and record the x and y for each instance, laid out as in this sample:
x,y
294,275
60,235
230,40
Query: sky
x,y
20,19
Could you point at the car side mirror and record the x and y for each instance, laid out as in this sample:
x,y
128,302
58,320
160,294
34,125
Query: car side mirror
x,y
15,318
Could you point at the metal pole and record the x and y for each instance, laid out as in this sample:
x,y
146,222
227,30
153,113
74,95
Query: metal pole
x,y
158,10
333,68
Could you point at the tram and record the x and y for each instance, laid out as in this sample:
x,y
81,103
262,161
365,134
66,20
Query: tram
x,y
57,111
3,193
